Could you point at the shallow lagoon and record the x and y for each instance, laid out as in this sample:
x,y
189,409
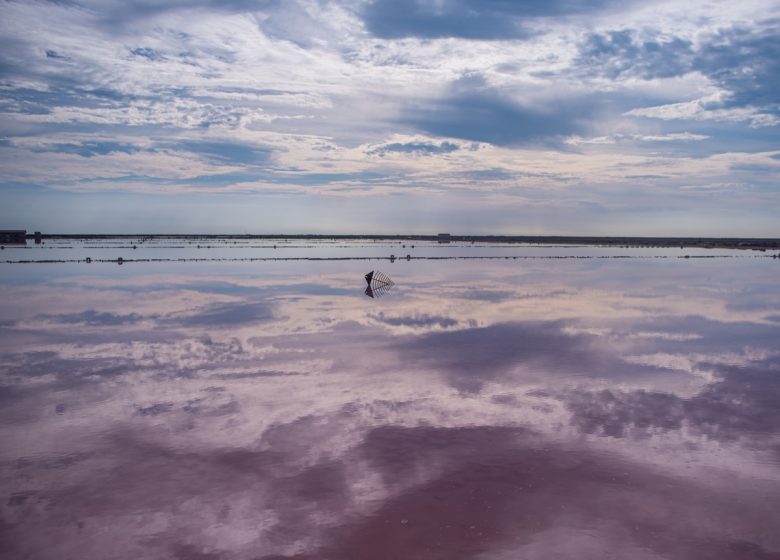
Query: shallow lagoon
x,y
491,408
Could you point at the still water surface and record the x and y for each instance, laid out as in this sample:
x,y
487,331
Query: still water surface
x,y
493,409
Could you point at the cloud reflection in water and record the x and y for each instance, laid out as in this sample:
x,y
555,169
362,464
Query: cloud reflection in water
x,y
554,410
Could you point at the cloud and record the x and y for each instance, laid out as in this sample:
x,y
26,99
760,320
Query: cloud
x,y
469,358
119,14
411,18
743,63
306,101
93,318
68,372
726,334
708,108
458,493
491,295
54,54
208,447
147,53
623,53
225,152
155,409
742,404
175,111
672,137
467,19
608,140
473,110
489,492
225,315
421,320
415,148
89,148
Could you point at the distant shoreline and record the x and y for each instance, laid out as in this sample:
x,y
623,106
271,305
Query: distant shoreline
x,y
682,242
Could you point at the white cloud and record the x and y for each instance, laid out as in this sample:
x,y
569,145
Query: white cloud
x,y
707,109
307,83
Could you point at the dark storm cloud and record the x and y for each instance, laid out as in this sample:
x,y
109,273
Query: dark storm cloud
x,y
416,148
474,110
468,19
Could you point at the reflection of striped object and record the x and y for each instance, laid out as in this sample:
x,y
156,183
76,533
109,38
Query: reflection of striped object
x,y
378,284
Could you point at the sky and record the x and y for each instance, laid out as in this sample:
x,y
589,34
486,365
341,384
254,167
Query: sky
x,y
377,116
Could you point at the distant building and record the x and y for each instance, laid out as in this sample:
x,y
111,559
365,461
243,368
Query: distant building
x,y
444,238
13,236
38,237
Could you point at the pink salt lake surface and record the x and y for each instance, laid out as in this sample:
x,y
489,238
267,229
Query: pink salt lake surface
x,y
491,409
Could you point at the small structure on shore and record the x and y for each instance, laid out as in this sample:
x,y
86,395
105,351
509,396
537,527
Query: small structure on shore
x,y
13,236
444,238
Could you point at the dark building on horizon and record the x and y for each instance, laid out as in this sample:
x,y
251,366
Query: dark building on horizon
x,y
13,237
